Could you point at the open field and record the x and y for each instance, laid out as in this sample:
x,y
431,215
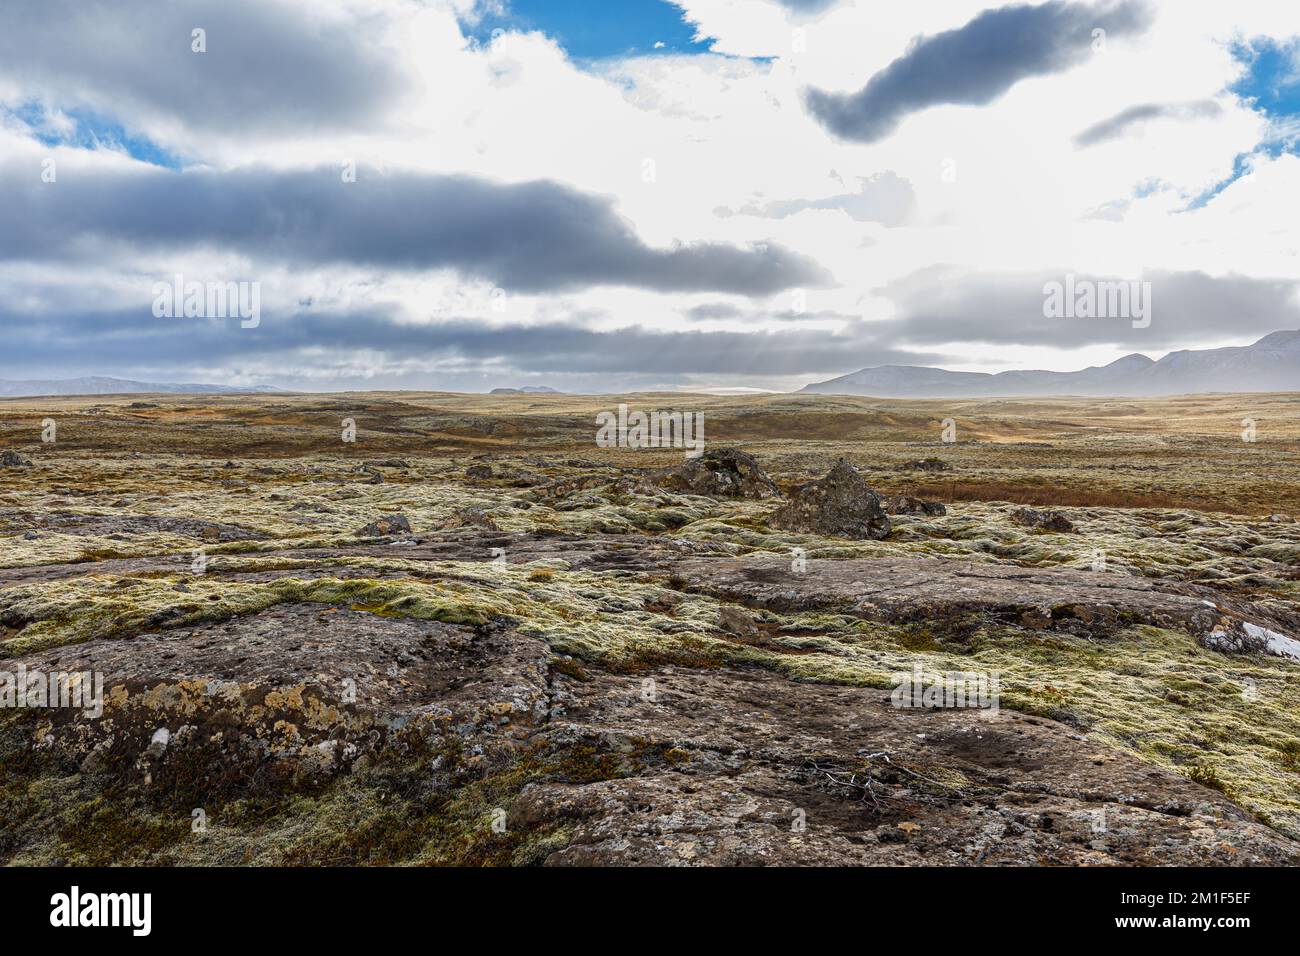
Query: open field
x,y
561,658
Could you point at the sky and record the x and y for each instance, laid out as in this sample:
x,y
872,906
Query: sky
x,y
468,194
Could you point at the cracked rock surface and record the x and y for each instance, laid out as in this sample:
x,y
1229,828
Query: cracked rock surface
x,y
726,766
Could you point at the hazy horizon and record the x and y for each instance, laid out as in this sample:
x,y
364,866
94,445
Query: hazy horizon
x,y
700,388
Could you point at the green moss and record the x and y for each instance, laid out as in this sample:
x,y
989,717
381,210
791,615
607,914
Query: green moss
x,y
1154,692
1207,776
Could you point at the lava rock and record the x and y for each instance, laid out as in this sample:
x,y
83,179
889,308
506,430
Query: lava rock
x,y
925,464
907,505
721,473
841,505
1042,520
386,525
469,518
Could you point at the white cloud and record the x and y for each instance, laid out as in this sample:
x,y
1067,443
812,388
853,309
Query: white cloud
x,y
1002,188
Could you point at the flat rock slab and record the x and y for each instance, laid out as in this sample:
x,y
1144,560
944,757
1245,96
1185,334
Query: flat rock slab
x,y
708,766
588,552
760,773
901,590
73,523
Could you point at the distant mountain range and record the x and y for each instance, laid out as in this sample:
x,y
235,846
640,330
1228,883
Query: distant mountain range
x,y
1270,365
98,385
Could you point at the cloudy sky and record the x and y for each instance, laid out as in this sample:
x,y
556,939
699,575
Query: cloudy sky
x,y
640,194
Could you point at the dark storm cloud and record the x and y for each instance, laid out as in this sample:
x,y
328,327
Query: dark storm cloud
x,y
267,67
529,237
122,341
974,64
936,306
937,311
1117,125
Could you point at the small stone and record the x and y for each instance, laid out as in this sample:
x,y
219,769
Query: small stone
x,y
158,743
386,525
925,464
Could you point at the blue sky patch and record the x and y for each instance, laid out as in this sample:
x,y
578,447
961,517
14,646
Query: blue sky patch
x,y
89,130
1272,77
1271,84
597,31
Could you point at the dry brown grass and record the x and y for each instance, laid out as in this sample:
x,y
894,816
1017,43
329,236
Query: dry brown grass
x,y
1054,495
1183,452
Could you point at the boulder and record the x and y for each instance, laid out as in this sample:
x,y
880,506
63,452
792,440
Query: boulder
x,y
721,473
732,620
841,505
907,505
386,525
633,486
469,518
1042,520
478,472
11,459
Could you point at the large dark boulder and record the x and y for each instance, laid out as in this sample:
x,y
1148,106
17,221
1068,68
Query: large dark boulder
x,y
721,473
841,505
1042,520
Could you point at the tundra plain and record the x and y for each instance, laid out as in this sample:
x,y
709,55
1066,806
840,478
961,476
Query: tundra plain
x,y
471,636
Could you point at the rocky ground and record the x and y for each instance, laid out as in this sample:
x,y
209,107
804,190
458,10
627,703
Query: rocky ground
x,y
537,653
